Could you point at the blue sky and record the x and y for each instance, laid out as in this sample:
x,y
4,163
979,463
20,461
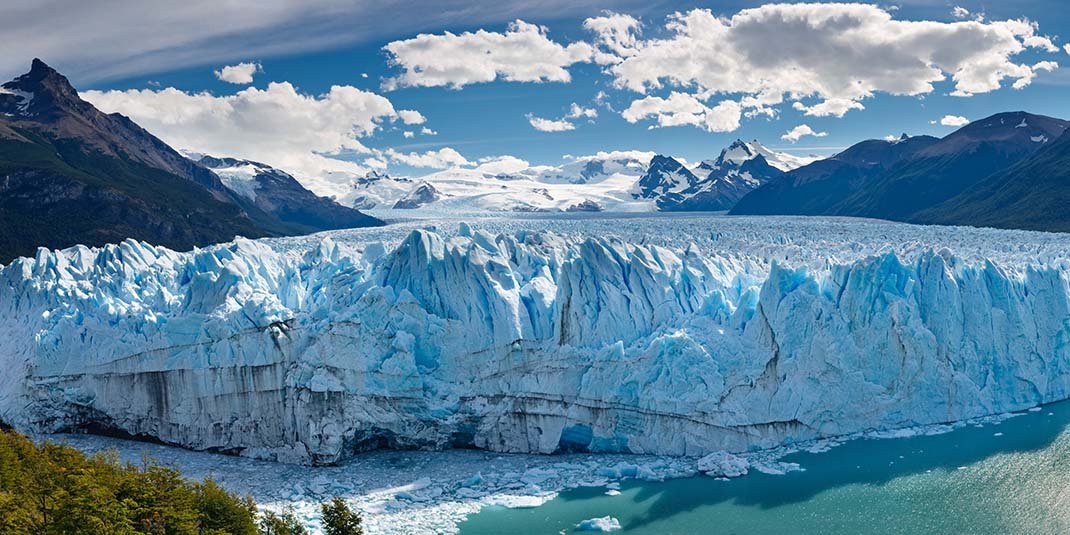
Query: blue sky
x,y
489,119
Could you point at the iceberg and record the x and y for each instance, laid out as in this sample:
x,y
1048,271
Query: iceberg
x,y
603,524
664,336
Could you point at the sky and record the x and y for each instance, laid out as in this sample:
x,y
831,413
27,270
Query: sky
x,y
328,89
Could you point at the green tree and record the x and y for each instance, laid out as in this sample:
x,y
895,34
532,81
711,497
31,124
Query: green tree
x,y
52,489
339,519
281,524
222,513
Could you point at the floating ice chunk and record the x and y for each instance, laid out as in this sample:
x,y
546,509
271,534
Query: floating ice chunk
x,y
603,524
723,464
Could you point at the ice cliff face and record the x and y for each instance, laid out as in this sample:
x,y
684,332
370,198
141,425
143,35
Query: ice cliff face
x,y
522,342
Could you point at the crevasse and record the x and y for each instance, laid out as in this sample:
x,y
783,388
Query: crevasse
x,y
519,342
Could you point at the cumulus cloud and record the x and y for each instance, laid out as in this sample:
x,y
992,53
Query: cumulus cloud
x,y
550,125
954,120
801,131
827,57
685,109
835,107
960,12
277,125
641,156
522,54
375,163
428,132
443,158
575,111
241,73
564,124
618,33
411,117
502,165
408,134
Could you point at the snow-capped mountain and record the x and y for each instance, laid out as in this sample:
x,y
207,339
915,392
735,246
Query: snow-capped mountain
x,y
643,335
376,190
739,169
741,151
713,185
588,183
667,182
422,195
597,167
281,195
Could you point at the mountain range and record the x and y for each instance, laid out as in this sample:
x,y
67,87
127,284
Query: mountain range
x,y
70,174
982,174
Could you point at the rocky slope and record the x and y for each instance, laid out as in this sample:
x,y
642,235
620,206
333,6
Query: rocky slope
x,y
1032,194
70,174
281,195
904,179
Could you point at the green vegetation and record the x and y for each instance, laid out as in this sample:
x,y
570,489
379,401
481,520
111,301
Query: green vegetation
x,y
56,489
52,489
284,524
338,519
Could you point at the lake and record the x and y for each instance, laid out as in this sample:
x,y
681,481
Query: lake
x,y
1012,477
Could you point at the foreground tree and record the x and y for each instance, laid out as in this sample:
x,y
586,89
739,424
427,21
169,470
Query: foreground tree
x,y
51,489
281,524
339,519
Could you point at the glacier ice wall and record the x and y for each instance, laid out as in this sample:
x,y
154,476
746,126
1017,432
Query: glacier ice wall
x,y
519,342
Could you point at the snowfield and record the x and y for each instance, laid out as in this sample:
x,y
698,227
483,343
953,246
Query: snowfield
x,y
673,336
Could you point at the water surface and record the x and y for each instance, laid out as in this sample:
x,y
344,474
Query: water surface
x,y
1012,477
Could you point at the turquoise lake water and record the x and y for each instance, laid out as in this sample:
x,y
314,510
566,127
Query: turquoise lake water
x,y
1011,477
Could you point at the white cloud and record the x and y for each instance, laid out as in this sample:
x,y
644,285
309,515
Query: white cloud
x,y
522,54
618,33
550,125
499,165
1066,48
575,111
801,131
834,107
684,109
411,117
1027,79
375,163
641,156
277,125
241,73
408,134
960,12
443,158
954,120
428,132
1045,66
564,124
837,54
109,39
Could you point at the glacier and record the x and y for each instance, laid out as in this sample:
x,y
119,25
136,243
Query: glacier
x,y
680,336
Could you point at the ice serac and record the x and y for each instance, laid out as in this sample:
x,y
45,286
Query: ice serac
x,y
518,342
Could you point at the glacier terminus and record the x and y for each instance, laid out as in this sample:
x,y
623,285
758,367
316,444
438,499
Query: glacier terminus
x,y
537,335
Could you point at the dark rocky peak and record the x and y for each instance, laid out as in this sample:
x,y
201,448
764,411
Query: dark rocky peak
x,y
42,94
